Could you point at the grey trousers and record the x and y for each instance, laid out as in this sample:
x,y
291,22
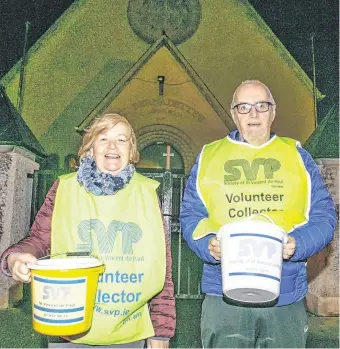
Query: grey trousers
x,y
229,326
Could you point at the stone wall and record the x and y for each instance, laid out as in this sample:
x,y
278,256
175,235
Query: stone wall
x,y
16,182
323,268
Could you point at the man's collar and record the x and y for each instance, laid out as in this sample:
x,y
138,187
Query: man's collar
x,y
236,135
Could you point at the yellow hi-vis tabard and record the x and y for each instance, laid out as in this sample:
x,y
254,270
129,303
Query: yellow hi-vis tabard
x,y
236,181
126,232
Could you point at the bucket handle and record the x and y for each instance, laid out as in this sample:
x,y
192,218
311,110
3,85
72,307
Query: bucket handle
x,y
67,254
260,214
285,235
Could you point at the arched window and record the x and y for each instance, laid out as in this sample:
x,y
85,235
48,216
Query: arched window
x,y
158,156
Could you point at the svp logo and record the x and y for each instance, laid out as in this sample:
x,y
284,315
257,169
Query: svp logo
x,y
234,168
88,230
249,248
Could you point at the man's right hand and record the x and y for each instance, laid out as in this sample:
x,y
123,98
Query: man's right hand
x,y
214,248
17,264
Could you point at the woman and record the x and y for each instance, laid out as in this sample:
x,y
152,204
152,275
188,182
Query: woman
x,y
110,210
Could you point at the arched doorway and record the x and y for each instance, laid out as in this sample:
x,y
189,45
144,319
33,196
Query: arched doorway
x,y
160,156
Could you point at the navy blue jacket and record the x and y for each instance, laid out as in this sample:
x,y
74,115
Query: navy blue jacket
x,y
310,238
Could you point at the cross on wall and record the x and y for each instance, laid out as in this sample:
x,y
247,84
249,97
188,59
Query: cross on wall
x,y
168,155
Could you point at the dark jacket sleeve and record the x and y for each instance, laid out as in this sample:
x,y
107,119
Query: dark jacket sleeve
x,y
162,307
38,242
313,236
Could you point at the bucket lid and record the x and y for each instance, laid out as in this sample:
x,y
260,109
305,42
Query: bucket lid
x,y
65,263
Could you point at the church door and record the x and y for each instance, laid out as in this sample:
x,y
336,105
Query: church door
x,y
162,162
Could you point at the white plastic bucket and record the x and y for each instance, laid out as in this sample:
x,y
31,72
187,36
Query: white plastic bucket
x,y
251,261
63,293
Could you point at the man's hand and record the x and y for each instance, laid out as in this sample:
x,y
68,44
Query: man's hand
x,y
289,248
214,248
155,343
17,265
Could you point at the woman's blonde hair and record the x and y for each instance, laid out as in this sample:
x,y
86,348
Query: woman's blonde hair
x,y
104,123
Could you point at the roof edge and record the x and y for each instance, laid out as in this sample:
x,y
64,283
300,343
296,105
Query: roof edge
x,y
286,55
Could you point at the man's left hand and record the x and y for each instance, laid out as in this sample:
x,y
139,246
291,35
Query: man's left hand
x,y
155,343
289,248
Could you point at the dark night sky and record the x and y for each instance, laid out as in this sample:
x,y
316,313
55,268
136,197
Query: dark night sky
x,y
292,21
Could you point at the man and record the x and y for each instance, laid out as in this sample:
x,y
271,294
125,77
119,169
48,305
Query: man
x,y
297,201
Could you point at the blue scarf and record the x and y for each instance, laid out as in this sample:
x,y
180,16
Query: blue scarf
x,y
100,183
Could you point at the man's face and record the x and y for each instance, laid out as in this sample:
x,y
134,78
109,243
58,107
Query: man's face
x,y
254,126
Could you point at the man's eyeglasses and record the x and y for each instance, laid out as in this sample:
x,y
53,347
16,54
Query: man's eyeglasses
x,y
245,108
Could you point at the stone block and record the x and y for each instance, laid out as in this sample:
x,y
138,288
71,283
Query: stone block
x,y
16,183
4,298
323,268
323,305
11,295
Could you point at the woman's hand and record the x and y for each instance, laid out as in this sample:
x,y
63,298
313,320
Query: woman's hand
x,y
155,343
17,265
214,248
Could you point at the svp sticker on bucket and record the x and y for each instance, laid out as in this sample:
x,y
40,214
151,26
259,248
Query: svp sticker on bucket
x,y
58,301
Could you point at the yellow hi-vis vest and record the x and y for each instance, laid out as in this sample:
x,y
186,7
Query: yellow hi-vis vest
x,y
238,181
126,232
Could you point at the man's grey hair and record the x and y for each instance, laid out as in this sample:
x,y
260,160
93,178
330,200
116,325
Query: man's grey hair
x,y
252,82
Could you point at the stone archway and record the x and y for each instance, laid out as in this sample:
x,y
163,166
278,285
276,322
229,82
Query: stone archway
x,y
168,134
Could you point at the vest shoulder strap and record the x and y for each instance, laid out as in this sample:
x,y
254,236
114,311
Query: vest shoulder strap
x,y
67,176
290,141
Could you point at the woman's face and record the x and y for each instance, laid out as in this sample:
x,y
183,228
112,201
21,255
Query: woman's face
x,y
112,149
